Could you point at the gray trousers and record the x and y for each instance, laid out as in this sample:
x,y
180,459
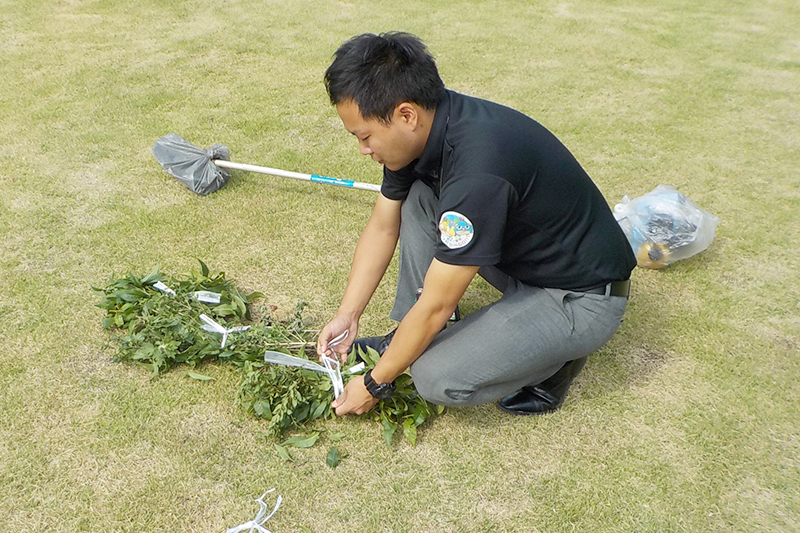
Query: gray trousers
x,y
521,339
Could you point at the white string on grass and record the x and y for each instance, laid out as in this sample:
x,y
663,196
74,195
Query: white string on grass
x,y
257,524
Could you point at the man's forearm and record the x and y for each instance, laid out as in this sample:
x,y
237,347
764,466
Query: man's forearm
x,y
414,334
373,253
444,286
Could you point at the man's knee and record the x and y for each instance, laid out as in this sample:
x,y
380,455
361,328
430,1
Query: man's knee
x,y
438,389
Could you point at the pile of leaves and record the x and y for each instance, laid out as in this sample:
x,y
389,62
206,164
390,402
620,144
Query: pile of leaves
x,y
160,330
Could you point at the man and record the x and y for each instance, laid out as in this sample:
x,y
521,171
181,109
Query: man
x,y
471,187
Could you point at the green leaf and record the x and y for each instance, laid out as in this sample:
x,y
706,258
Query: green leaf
x,y
203,269
389,428
300,441
254,296
238,305
410,431
333,457
304,529
263,409
224,310
199,377
283,453
420,413
369,355
319,410
335,437
152,277
130,295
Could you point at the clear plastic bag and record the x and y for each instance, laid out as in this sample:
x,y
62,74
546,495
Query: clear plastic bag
x,y
664,226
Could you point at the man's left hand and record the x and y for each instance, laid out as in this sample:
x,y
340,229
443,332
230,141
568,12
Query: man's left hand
x,y
356,398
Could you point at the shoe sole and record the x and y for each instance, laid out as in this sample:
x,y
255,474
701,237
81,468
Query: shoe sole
x,y
516,412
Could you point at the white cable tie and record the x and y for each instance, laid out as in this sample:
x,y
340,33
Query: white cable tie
x,y
330,366
207,297
257,523
163,287
284,359
333,369
333,365
213,324
355,369
214,327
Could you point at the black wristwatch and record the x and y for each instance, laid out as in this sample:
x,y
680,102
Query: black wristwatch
x,y
380,391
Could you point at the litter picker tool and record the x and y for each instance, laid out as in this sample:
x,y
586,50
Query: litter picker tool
x,y
205,171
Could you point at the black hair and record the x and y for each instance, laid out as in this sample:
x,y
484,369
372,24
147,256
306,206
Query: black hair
x,y
378,72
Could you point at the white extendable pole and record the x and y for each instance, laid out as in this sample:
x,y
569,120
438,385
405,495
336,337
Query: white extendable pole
x,y
297,175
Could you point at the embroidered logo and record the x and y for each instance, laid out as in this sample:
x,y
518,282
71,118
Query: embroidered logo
x,y
456,230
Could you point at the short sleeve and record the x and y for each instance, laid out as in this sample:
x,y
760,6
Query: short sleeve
x,y
472,219
396,184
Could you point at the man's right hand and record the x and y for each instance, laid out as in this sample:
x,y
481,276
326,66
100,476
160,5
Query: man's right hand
x,y
336,327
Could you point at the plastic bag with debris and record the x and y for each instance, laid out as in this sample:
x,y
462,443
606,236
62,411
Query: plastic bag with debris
x,y
664,226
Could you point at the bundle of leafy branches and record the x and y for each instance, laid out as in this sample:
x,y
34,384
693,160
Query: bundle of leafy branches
x,y
155,322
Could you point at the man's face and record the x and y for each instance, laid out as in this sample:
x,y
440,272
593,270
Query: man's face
x,y
394,145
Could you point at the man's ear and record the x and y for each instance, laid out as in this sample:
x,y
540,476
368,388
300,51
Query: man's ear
x,y
408,114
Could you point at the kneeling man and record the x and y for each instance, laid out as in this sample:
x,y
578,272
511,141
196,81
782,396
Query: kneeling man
x,y
471,187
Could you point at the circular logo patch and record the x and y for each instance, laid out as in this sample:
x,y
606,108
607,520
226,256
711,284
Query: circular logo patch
x,y
456,230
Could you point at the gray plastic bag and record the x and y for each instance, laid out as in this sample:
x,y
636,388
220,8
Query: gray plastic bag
x,y
191,165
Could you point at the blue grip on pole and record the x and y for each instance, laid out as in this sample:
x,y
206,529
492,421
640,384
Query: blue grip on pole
x,y
332,181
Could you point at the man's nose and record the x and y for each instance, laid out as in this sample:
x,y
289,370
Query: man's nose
x,y
364,148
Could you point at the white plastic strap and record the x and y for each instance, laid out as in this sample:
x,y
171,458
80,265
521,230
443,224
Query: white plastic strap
x,y
333,366
329,366
160,285
257,523
355,369
334,370
214,327
207,297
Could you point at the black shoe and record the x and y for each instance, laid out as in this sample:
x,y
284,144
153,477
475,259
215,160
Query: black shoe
x,y
545,397
379,344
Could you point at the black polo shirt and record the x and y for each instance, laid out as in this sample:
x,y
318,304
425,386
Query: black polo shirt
x,y
512,195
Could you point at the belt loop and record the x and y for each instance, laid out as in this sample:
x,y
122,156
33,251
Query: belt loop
x,y
608,290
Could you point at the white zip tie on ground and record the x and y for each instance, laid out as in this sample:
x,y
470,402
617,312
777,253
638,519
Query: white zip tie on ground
x,y
257,523
214,327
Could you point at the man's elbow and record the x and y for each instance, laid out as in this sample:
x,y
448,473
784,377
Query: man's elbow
x,y
436,310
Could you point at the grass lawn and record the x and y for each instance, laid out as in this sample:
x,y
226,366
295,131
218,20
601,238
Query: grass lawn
x,y
686,421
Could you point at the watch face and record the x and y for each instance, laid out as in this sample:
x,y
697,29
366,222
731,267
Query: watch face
x,y
382,391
